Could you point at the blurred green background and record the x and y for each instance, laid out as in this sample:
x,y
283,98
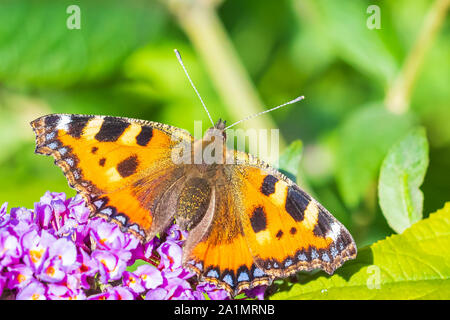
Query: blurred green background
x,y
244,56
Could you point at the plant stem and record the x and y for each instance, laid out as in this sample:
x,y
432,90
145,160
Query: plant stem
x,y
201,24
399,94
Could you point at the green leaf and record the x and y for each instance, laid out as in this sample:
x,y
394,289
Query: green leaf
x,y
354,42
364,140
413,265
402,173
37,48
289,161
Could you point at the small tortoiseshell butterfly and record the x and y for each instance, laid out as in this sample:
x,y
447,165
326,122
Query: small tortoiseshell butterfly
x,y
247,222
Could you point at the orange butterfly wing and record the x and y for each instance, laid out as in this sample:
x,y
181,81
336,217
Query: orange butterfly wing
x,y
287,230
121,166
264,226
217,249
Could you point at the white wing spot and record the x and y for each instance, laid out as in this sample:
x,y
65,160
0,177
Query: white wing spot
x,y
98,203
62,151
121,219
50,135
302,257
63,123
334,232
212,273
69,161
334,252
52,145
106,211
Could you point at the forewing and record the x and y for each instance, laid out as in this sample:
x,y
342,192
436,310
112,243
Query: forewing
x,y
121,166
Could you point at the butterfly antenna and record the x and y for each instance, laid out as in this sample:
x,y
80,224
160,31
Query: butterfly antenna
x,y
192,84
266,111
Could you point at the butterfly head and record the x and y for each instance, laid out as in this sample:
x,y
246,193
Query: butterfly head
x,y
217,132
220,125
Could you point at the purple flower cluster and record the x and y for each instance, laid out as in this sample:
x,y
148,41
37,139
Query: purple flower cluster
x,y
56,252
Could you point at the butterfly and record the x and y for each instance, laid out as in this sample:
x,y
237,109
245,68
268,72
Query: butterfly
x,y
248,223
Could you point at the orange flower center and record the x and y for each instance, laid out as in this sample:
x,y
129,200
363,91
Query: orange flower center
x,y
36,255
50,271
21,278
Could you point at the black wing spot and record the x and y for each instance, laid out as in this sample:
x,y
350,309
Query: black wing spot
x,y
128,166
258,219
144,136
94,150
77,124
324,222
111,129
279,234
101,162
268,185
293,230
52,120
296,202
